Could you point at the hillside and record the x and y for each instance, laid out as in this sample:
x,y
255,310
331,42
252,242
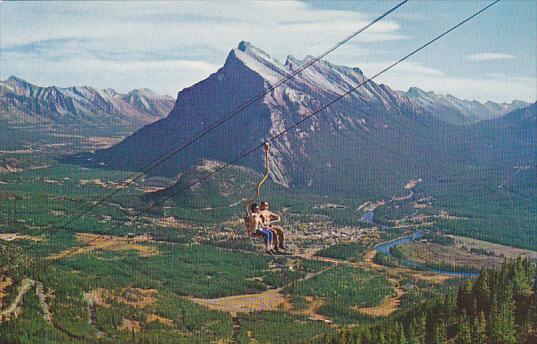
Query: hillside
x,y
228,187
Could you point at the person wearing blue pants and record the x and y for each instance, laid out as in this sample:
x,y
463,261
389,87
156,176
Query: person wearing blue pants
x,y
254,225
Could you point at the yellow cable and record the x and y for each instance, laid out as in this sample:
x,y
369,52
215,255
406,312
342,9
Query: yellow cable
x,y
260,184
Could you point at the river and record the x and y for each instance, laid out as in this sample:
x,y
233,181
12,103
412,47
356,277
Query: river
x,y
369,217
385,248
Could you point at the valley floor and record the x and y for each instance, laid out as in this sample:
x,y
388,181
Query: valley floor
x,y
178,279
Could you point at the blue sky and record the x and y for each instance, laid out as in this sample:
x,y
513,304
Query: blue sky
x,y
171,45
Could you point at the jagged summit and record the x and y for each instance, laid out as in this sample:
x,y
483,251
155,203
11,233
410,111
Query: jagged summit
x,y
417,92
14,78
247,47
321,77
256,60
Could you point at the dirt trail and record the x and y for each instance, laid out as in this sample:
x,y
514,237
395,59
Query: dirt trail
x,y
14,310
47,315
92,299
5,283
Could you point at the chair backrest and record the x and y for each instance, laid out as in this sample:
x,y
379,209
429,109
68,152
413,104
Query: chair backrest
x,y
246,220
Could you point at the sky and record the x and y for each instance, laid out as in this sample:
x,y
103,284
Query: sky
x,y
167,46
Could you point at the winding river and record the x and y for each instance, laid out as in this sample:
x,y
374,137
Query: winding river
x,y
369,217
385,248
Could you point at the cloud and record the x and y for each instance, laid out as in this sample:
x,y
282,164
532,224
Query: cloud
x,y
489,57
404,68
490,86
148,39
167,46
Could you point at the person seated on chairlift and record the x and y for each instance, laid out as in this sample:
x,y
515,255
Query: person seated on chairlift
x,y
269,218
254,227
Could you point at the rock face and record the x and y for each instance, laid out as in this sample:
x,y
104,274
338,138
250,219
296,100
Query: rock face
x,y
374,135
80,109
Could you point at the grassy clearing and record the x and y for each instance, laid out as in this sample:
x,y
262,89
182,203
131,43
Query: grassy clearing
x,y
343,289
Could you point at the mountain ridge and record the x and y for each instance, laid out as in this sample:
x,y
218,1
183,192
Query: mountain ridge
x,y
395,137
79,107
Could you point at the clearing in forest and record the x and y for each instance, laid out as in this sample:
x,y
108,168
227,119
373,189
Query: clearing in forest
x,y
17,236
95,242
14,309
390,304
269,300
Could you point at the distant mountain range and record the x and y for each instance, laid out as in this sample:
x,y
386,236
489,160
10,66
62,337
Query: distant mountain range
x,y
372,140
458,111
82,110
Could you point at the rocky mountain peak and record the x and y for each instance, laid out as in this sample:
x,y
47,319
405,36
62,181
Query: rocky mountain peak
x,y
255,59
416,92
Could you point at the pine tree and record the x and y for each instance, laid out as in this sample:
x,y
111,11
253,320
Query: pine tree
x,y
381,339
412,333
479,335
481,292
532,333
440,335
502,326
464,298
535,293
463,332
400,338
390,332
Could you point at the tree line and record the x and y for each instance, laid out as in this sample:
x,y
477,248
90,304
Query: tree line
x,y
500,307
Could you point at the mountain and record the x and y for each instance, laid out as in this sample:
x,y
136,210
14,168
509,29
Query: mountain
x,y
460,111
513,136
81,110
371,142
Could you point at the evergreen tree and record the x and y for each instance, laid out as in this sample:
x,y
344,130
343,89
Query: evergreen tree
x,y
532,330
412,332
463,332
440,335
479,335
502,326
534,302
400,338
465,299
390,332
381,339
481,292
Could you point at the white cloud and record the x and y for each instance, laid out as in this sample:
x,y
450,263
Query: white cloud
x,y
151,38
489,57
403,68
491,86
171,45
